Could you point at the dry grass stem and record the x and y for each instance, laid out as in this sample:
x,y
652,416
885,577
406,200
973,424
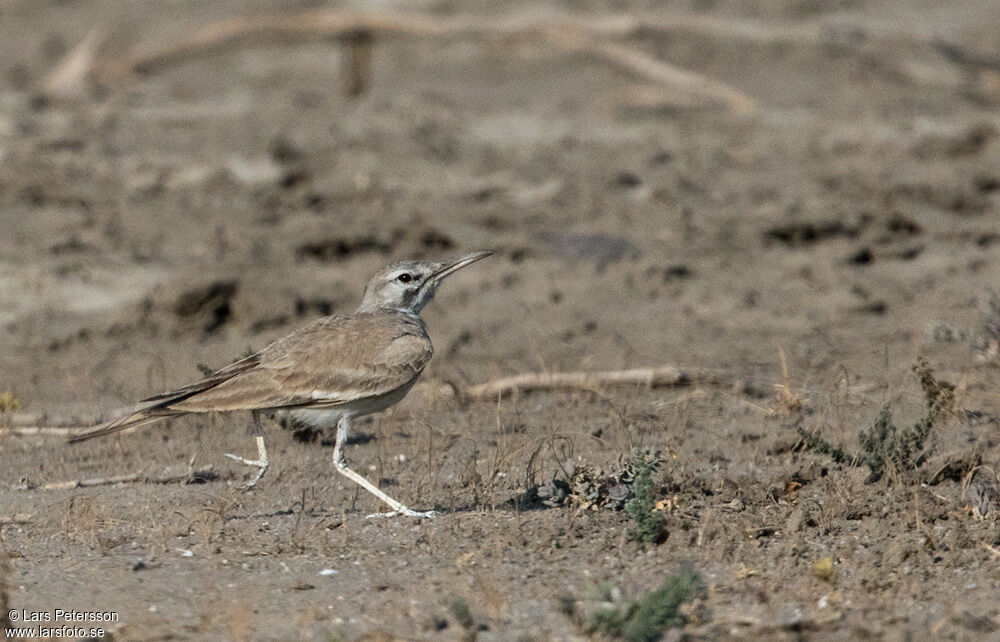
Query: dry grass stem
x,y
788,402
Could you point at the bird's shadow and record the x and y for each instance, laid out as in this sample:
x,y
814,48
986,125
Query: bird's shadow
x,y
511,506
354,439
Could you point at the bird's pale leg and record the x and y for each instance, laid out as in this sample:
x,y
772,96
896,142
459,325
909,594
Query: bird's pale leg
x,y
261,462
340,463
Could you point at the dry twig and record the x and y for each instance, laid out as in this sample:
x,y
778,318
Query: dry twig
x,y
652,377
84,483
634,61
69,77
15,519
573,32
206,474
28,431
34,420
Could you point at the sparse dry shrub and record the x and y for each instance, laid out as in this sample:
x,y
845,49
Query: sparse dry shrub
x,y
581,485
87,522
210,523
938,393
984,341
987,342
302,535
885,445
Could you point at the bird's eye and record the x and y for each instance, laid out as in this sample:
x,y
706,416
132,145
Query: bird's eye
x,y
405,277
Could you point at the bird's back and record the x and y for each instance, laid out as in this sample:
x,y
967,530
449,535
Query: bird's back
x,y
333,360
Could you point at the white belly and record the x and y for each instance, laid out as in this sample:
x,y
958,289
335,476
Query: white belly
x,y
328,417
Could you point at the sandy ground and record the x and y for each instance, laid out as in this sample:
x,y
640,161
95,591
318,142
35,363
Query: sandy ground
x,y
188,215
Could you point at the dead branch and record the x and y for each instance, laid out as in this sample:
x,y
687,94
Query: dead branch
x,y
69,77
590,33
662,73
26,424
28,431
190,476
84,483
15,519
328,24
357,29
31,419
651,377
324,24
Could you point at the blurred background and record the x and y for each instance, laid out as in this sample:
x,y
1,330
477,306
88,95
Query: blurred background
x,y
730,185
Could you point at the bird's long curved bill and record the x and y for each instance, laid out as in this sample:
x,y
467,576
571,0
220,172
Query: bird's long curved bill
x,y
452,265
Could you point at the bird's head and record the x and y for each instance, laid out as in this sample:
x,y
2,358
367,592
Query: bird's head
x,y
408,286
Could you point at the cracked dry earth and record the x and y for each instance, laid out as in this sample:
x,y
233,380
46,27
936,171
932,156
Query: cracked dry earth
x,y
204,209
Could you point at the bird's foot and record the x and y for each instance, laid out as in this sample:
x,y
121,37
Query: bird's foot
x,y
403,511
260,464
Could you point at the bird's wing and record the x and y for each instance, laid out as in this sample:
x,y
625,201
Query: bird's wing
x,y
334,360
331,361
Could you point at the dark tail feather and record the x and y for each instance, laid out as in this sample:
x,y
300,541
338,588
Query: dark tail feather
x,y
122,423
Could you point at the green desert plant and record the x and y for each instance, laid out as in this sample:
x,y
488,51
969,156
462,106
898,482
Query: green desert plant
x,y
887,445
645,618
459,610
648,523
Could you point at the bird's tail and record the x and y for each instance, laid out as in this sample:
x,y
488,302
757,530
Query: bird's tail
x,y
158,406
133,420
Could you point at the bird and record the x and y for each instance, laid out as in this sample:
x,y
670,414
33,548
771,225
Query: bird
x,y
324,374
